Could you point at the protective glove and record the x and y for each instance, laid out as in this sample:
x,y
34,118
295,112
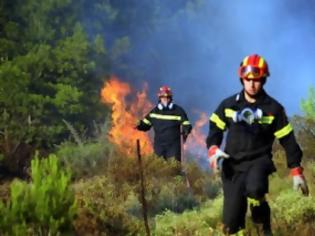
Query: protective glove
x,y
216,157
299,180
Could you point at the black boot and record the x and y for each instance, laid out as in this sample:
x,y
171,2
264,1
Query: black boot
x,y
261,215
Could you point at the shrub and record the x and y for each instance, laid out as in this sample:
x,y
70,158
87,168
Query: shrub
x,y
87,159
292,209
45,206
202,221
102,211
110,202
174,196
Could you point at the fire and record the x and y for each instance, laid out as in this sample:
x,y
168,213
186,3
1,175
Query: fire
x,y
125,115
196,141
127,112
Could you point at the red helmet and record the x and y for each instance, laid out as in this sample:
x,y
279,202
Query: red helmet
x,y
253,67
165,91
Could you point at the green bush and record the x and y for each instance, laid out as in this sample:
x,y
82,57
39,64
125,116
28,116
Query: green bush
x,y
105,211
110,204
164,182
173,196
45,206
87,159
292,209
202,221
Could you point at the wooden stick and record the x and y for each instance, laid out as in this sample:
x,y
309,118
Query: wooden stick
x,y
183,158
142,191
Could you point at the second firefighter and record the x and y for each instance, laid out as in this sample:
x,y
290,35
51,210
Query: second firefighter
x,y
167,119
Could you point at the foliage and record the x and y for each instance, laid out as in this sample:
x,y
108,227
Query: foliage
x,y
308,104
110,202
103,211
304,128
46,73
55,56
202,221
165,184
293,213
45,206
86,160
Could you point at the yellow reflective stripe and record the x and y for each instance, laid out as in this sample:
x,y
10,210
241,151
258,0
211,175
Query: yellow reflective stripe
x,y
253,202
245,61
146,121
229,112
241,232
266,120
216,119
284,131
186,122
261,62
164,117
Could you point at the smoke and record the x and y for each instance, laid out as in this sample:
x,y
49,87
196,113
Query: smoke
x,y
196,47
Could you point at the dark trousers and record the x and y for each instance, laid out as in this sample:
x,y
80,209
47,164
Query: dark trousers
x,y
169,150
238,185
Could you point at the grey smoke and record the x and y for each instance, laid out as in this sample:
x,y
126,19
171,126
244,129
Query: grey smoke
x,y
198,52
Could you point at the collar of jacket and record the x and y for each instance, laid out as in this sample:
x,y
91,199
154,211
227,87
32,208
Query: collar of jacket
x,y
261,98
169,106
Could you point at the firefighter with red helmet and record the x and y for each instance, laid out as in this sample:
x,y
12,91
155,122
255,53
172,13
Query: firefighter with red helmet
x,y
253,120
167,119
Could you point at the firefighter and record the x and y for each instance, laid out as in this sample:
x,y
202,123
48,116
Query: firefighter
x,y
253,120
167,119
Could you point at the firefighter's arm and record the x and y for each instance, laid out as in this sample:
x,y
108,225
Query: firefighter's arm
x,y
284,132
217,126
186,126
144,124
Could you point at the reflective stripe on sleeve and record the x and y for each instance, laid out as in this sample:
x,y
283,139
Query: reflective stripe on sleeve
x,y
186,122
146,121
284,131
216,119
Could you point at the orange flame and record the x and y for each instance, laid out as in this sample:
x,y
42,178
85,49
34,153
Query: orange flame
x,y
125,116
196,141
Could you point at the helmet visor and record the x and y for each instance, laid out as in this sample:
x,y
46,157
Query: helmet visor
x,y
251,72
164,95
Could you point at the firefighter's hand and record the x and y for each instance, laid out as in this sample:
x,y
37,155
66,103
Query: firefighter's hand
x,y
185,135
136,125
299,181
216,157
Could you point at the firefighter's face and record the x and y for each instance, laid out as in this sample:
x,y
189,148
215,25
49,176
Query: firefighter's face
x,y
165,100
252,87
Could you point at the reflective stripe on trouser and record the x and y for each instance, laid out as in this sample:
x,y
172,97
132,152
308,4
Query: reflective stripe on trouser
x,y
239,233
238,186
